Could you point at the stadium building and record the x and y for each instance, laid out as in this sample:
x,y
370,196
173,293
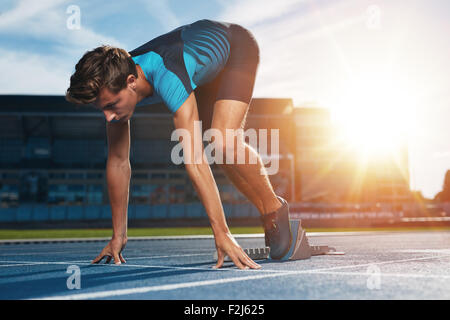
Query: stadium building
x,y
53,160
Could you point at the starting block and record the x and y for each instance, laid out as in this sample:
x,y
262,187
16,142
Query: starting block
x,y
300,248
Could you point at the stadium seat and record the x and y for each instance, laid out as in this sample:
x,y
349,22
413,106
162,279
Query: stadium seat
x,y
75,213
176,211
24,213
8,214
37,148
92,212
142,211
159,211
79,151
105,212
58,213
41,213
195,210
10,150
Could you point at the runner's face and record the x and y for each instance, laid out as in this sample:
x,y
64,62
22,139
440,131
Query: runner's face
x,y
117,106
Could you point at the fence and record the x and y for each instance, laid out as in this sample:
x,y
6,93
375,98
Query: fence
x,y
44,213
29,213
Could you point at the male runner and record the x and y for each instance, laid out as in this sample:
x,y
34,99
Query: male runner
x,y
201,71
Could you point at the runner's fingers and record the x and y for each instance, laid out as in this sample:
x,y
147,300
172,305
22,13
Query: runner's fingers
x,y
98,258
220,259
237,262
116,259
249,262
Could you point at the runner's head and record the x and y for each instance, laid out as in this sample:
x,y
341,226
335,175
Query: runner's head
x,y
105,77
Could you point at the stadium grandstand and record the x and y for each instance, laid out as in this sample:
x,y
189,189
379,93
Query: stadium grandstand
x,y
53,159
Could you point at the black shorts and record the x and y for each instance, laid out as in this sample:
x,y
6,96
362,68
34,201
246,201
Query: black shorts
x,y
237,78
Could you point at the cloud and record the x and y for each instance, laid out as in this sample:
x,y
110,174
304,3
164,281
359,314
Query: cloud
x,y
440,154
252,12
47,21
46,68
32,74
161,11
25,10
298,45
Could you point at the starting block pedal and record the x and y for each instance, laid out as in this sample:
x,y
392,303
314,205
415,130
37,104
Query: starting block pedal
x,y
253,253
301,249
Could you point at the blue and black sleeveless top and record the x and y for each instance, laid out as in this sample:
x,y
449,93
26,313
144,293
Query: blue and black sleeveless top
x,y
177,62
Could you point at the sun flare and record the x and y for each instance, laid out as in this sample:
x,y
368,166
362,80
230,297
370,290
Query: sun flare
x,y
375,113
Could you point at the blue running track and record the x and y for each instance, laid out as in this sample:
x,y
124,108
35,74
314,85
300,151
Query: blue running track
x,y
377,265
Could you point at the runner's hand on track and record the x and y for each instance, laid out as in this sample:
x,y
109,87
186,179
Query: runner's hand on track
x,y
113,250
227,245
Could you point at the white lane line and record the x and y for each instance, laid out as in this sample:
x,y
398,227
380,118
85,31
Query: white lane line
x,y
272,274
423,251
373,263
121,292
173,267
209,251
385,274
17,265
43,262
176,286
88,262
35,253
163,257
188,237
106,239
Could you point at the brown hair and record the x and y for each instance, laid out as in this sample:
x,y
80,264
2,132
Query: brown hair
x,y
104,66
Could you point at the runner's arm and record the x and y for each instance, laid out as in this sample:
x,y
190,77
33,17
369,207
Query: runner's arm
x,y
118,174
198,168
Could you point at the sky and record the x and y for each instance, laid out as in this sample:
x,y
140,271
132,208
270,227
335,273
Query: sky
x,y
385,61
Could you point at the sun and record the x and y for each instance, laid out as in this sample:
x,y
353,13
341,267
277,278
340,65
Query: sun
x,y
374,113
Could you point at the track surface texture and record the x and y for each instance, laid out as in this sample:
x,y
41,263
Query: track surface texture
x,y
377,265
